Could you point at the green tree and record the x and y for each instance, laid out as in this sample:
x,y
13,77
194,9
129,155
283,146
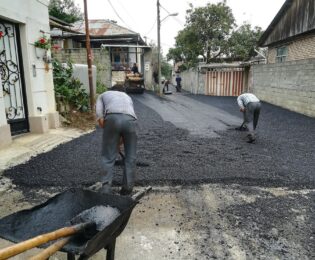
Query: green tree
x,y
65,10
243,42
206,33
166,69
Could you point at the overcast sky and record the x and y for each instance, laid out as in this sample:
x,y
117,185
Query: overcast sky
x,y
141,15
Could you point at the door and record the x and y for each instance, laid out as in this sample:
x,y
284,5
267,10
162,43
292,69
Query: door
x,y
225,82
12,78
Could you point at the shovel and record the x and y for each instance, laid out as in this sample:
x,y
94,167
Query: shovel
x,y
121,162
89,222
42,239
93,218
49,251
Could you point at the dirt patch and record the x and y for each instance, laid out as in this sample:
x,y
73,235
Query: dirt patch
x,y
81,120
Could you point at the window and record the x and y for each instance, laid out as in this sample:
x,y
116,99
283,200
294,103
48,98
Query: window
x,y
119,58
282,53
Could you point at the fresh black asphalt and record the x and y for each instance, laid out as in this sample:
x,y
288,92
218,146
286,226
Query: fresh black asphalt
x,y
283,154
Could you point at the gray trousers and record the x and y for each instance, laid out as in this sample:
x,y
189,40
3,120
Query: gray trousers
x,y
251,114
116,126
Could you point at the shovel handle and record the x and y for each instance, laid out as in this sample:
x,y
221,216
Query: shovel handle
x,y
42,239
140,194
49,251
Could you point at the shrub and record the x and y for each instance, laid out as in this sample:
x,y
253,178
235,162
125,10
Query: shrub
x,y
68,90
100,87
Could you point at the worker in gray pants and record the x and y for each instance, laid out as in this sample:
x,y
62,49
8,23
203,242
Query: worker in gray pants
x,y
250,106
115,114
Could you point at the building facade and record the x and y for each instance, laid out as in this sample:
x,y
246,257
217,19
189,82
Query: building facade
x,y
287,80
27,100
114,49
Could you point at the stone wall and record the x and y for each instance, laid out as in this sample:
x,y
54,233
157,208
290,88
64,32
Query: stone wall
x,y
290,85
193,80
100,59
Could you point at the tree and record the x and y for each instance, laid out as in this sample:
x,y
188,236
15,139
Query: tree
x,y
243,42
65,10
206,33
166,69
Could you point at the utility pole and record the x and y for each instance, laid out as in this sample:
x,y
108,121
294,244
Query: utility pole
x,y
159,46
89,56
159,21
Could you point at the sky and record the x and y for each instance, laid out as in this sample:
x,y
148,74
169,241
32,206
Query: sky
x,y
141,15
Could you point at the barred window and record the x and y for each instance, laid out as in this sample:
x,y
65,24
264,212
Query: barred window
x,y
282,53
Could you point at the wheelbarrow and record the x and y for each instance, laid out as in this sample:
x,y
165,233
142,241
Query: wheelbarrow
x,y
58,211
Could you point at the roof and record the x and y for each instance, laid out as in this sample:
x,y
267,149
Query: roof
x,y
63,26
59,21
101,27
107,30
294,18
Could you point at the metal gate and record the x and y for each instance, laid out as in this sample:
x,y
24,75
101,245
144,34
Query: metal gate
x,y
225,82
12,78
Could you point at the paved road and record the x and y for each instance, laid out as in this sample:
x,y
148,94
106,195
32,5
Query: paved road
x,y
185,139
200,119
214,195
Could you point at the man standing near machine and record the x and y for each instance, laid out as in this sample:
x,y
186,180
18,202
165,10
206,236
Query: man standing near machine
x,y
178,83
115,114
250,106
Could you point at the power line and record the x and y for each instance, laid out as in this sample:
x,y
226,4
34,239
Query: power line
x,y
123,7
151,28
118,14
174,17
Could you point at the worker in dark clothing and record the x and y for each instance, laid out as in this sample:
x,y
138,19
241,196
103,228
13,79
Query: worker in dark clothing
x,y
165,88
156,77
115,114
134,69
178,83
250,106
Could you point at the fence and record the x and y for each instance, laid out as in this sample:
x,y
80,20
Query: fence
x,y
225,81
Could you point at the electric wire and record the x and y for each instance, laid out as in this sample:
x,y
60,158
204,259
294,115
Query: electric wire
x,y
151,27
174,17
123,7
118,14
42,3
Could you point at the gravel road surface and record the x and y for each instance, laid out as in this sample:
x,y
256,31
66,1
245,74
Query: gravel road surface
x,y
215,196
186,139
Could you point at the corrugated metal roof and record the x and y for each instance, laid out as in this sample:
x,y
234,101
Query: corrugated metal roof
x,y
102,27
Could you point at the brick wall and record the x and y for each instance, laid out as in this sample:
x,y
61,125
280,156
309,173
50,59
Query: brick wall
x,y
299,49
290,85
100,59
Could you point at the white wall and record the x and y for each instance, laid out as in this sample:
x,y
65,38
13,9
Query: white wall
x,y
80,72
32,18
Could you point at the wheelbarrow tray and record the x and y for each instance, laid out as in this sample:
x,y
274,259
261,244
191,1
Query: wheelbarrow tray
x,y
57,212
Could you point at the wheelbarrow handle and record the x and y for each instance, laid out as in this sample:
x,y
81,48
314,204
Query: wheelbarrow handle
x,y
140,194
52,249
42,239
